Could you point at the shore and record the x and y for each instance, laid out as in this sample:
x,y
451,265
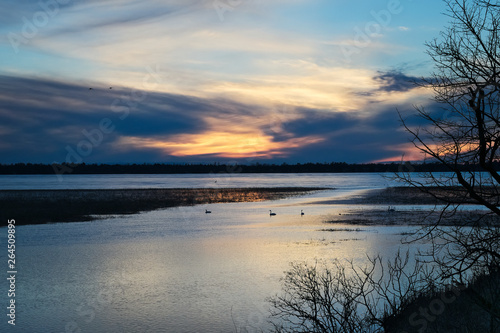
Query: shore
x,y
391,211
47,206
404,196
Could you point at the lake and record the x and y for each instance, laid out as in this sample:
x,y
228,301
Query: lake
x,y
235,180
179,269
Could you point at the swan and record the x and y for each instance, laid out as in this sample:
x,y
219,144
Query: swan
x,y
207,211
271,213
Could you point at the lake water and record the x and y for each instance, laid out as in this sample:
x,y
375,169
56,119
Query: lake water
x,y
235,180
179,269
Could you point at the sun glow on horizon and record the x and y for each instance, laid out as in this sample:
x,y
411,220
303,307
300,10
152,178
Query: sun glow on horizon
x,y
220,144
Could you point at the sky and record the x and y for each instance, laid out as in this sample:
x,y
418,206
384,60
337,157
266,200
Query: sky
x,y
203,81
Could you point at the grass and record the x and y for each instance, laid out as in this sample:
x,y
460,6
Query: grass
x,y
342,229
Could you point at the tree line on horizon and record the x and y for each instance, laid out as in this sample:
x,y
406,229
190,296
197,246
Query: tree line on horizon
x,y
164,168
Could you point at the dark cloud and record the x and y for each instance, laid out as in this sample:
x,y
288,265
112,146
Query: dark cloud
x,y
117,18
319,122
397,81
347,137
39,118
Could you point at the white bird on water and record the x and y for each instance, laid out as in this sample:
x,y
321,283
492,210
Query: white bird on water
x,y
271,213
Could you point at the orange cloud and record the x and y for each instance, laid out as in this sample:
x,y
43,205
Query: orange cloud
x,y
221,144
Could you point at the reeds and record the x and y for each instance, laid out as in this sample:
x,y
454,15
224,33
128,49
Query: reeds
x,y
44,206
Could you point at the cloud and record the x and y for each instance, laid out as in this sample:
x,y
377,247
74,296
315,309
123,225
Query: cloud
x,y
221,144
46,117
187,85
105,16
116,40
349,137
322,115
395,81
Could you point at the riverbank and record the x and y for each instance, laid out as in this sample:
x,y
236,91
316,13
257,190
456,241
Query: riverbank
x,y
47,206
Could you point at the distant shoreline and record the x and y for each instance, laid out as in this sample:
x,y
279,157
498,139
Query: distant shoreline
x,y
50,206
221,168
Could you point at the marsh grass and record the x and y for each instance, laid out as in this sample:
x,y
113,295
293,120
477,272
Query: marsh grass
x,y
343,229
45,206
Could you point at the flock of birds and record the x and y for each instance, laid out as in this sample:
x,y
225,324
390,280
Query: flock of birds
x,y
271,213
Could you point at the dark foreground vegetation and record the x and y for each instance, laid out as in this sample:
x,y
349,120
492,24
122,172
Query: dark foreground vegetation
x,y
473,306
43,206
217,168
397,296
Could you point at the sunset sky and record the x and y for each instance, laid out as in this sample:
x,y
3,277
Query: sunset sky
x,y
212,80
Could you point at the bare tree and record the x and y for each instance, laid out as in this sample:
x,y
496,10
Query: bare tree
x,y
466,137
466,140
344,298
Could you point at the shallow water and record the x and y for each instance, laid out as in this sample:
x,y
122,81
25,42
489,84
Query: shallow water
x,y
179,269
